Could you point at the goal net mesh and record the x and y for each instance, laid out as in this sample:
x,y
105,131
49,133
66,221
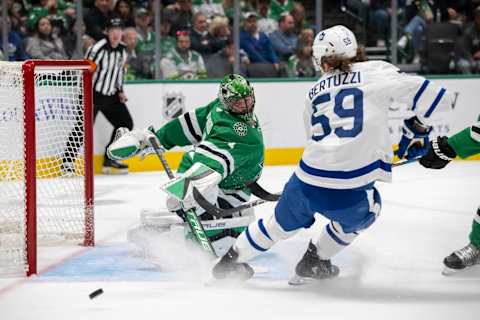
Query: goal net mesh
x,y
60,184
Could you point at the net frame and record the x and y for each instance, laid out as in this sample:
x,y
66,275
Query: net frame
x,y
29,68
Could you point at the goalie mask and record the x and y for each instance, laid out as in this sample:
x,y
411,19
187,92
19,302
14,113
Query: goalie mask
x,y
335,41
236,94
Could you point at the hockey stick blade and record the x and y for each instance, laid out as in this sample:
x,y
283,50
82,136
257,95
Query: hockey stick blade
x,y
222,213
404,162
261,193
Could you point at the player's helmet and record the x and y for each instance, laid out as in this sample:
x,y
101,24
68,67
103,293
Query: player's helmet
x,y
335,41
236,94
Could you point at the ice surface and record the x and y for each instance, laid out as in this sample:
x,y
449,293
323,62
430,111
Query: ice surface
x,y
392,271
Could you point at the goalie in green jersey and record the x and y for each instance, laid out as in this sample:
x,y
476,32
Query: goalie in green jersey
x,y
442,150
226,137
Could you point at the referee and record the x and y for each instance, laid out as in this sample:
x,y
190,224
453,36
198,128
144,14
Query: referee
x,y
110,56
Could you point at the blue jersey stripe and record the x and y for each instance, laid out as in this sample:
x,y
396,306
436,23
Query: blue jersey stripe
x,y
379,164
435,103
252,243
419,93
263,229
334,237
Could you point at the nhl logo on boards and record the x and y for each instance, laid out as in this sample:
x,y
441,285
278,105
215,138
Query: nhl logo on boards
x,y
173,105
240,128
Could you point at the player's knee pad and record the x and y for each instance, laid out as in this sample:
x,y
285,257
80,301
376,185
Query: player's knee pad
x,y
260,236
375,207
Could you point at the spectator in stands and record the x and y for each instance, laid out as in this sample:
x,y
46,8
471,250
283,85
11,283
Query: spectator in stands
x,y
469,59
96,19
183,63
256,44
134,64
210,8
44,44
284,41
301,64
219,28
298,14
424,12
180,15
265,22
167,42
307,35
123,9
245,6
60,13
202,41
279,7
16,49
458,11
221,63
380,14
145,49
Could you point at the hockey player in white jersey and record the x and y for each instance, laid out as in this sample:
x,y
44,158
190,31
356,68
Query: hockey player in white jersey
x,y
348,150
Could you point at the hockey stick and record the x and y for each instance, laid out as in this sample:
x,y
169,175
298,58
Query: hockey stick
x,y
258,191
190,216
218,212
404,162
261,193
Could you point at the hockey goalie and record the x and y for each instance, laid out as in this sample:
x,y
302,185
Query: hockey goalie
x,y
227,153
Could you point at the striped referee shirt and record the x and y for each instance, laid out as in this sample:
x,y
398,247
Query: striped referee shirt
x,y
108,77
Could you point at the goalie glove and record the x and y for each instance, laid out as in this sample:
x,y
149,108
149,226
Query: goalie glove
x,y
129,143
414,142
439,154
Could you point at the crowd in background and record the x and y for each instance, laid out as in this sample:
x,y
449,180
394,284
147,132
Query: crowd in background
x,y
275,37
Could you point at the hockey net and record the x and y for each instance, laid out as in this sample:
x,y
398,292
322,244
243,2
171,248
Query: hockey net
x,y
46,176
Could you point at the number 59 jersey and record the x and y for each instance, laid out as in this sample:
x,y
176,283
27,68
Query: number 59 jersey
x,y
346,119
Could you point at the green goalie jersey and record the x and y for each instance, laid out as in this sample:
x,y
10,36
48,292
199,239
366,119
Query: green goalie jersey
x,y
466,142
223,141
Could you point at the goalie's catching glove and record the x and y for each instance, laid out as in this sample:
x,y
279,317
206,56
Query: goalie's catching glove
x,y
129,143
439,154
414,142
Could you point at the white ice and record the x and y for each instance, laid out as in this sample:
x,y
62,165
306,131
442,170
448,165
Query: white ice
x,y
392,271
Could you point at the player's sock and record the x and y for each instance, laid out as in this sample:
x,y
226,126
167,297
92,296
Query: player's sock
x,y
260,236
475,233
332,240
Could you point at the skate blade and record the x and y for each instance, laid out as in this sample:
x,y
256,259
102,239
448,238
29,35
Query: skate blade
x,y
447,272
297,280
114,171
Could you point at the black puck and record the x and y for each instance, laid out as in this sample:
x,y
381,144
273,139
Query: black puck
x,y
96,293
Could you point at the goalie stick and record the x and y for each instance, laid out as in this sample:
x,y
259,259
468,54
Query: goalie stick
x,y
258,191
218,212
190,216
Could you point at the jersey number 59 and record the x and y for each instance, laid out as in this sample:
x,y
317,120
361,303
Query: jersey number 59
x,y
356,113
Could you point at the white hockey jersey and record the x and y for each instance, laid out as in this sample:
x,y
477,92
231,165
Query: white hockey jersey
x,y
346,119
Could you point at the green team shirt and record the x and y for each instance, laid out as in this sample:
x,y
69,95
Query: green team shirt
x,y
466,142
223,141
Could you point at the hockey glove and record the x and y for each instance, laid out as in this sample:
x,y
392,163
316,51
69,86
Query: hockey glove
x,y
414,141
129,143
439,154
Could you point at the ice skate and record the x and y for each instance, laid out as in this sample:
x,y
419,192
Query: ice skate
x,y
461,259
311,268
114,167
228,269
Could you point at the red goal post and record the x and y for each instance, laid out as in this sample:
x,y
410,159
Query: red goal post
x,y
45,108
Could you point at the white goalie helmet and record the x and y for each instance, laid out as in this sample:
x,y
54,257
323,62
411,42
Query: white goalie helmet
x,y
335,41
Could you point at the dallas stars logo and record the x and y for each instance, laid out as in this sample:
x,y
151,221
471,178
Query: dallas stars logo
x,y
240,128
